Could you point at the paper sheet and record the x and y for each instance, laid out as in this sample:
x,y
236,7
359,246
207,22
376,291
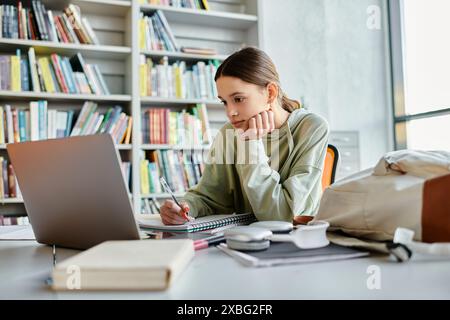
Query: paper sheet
x,y
16,233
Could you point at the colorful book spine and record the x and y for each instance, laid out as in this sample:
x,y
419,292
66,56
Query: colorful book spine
x,y
5,179
8,185
42,112
11,182
145,189
22,126
47,77
15,73
181,169
69,123
34,120
24,75
2,125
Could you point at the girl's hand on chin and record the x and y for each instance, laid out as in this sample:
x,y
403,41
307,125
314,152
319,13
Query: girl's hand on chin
x,y
259,125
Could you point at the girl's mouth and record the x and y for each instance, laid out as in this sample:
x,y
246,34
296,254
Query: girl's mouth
x,y
235,123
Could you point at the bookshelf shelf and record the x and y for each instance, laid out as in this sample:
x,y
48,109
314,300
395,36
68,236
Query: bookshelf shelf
x,y
11,200
31,95
68,49
172,147
117,8
173,101
203,17
183,56
162,195
124,146
118,146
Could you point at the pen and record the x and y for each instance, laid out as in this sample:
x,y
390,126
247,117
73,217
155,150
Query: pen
x,y
202,244
54,255
169,191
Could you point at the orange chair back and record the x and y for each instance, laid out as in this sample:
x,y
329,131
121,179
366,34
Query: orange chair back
x,y
329,169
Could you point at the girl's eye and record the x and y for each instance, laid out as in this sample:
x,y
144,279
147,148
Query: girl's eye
x,y
239,99
223,102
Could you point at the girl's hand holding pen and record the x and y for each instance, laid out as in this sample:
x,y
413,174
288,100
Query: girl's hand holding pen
x,y
171,213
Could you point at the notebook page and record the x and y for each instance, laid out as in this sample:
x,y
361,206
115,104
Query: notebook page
x,y
202,223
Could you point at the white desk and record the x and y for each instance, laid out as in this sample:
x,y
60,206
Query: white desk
x,y
24,266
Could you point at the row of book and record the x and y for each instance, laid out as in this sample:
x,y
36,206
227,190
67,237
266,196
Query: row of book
x,y
38,123
51,74
190,4
177,80
38,23
182,169
9,187
150,206
190,127
14,221
114,122
155,33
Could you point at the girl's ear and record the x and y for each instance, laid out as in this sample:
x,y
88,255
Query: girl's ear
x,y
272,90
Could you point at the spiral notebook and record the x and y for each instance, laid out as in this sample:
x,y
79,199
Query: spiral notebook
x,y
153,222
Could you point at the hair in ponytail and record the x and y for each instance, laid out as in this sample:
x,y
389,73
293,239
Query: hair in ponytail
x,y
289,104
255,66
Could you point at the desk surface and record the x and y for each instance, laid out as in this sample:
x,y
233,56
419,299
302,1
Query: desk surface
x,y
24,266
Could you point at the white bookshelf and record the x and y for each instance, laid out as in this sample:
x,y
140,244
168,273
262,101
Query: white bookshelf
x,y
173,102
28,96
173,147
183,56
205,18
226,27
87,50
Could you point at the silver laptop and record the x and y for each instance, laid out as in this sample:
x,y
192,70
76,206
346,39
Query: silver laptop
x,y
74,191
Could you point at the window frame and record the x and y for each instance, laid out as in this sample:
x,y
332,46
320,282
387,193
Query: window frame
x,y
396,36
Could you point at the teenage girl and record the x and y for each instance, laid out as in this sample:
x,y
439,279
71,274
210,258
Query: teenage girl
x,y
268,159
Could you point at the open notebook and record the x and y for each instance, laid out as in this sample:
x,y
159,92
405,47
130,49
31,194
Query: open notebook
x,y
154,222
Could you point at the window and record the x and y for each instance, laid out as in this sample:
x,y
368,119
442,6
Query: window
x,y
420,48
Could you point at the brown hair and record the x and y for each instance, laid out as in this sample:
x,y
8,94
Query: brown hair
x,y
255,66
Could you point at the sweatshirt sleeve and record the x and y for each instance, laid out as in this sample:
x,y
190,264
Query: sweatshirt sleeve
x,y
214,192
209,196
273,199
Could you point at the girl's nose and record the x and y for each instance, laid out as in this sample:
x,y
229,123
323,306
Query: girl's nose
x,y
232,113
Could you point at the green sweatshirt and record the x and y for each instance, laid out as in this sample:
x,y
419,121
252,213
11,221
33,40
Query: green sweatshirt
x,y
274,185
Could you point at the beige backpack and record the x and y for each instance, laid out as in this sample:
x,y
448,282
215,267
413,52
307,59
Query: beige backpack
x,y
406,189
